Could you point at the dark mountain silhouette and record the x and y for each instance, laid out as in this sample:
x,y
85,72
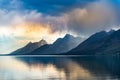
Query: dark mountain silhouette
x,y
99,43
29,47
61,45
111,31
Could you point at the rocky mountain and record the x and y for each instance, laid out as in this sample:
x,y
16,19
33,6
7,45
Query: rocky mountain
x,y
100,43
29,47
61,45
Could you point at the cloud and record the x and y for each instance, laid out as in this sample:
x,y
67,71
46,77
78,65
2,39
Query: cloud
x,y
89,16
81,17
94,17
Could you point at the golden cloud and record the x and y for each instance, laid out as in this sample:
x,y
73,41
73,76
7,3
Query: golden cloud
x,y
31,30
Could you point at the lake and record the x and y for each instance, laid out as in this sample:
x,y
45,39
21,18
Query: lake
x,y
60,67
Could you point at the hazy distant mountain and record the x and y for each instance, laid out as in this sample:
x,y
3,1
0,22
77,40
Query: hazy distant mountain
x,y
59,46
99,43
29,47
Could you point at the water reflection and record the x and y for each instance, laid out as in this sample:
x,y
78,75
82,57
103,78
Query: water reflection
x,y
59,68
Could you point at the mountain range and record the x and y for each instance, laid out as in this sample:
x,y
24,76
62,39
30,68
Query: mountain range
x,y
61,45
99,43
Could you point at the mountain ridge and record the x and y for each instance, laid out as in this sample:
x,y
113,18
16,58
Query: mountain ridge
x,y
99,43
29,47
61,45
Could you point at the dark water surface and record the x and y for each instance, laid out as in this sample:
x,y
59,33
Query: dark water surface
x,y
60,68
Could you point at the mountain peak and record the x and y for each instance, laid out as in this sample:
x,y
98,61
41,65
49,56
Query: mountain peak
x,y
102,32
111,31
29,43
68,36
42,42
98,35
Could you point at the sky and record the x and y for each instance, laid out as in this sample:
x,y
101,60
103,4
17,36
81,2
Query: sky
x,y
22,21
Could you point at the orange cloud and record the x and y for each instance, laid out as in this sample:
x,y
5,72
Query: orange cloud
x,y
32,30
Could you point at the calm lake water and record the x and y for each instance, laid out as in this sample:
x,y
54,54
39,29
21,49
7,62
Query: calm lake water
x,y
59,68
